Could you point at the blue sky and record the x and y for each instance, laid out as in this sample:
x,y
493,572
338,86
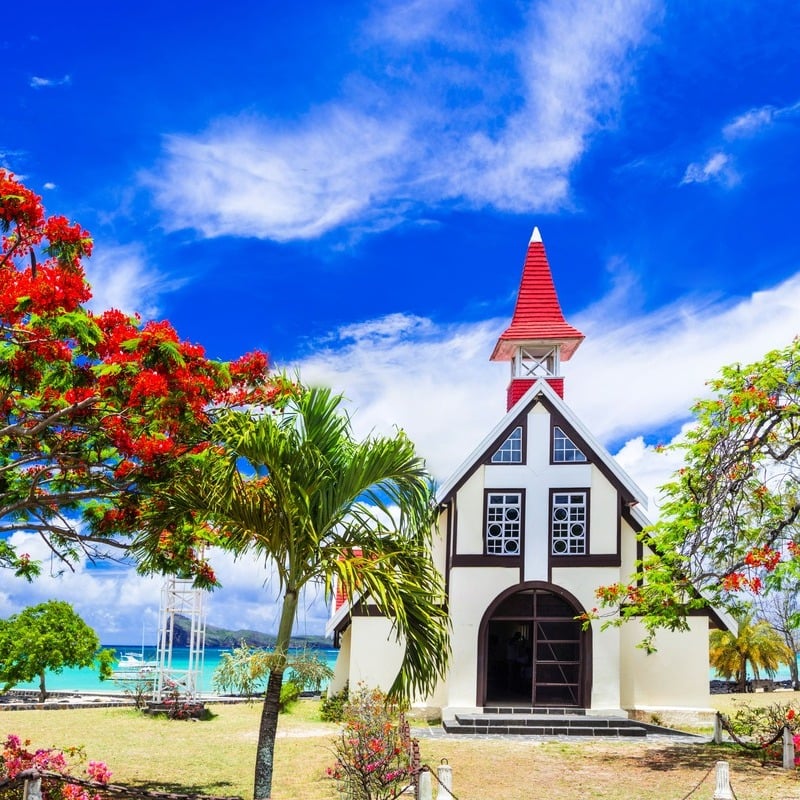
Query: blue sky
x,y
351,187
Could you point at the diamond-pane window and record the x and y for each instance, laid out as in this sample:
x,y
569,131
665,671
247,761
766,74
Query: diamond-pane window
x,y
564,450
503,523
510,452
568,524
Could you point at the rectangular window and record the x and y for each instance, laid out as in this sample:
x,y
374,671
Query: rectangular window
x,y
569,523
503,523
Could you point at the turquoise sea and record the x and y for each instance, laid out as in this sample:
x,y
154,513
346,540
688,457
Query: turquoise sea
x,y
87,680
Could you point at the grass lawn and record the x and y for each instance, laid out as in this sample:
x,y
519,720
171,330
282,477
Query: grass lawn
x,y
217,757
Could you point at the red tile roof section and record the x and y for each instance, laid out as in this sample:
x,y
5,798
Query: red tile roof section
x,y
537,315
340,597
519,386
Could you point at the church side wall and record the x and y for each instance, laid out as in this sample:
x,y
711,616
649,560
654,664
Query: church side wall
x,y
341,669
662,680
375,656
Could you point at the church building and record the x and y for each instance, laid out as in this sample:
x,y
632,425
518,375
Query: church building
x,y
536,518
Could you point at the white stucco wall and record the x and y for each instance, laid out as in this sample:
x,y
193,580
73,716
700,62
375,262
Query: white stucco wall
x,y
603,515
375,656
341,669
469,513
475,588
675,676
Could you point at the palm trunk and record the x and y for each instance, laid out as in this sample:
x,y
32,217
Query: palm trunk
x,y
742,673
268,727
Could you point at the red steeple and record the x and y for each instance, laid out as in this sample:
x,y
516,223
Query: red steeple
x,y
539,337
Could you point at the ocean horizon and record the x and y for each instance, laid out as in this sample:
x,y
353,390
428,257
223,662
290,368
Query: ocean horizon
x,y
87,680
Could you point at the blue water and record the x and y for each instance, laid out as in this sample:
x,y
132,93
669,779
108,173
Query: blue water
x,y
88,680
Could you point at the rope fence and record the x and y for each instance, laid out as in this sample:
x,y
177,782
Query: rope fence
x,y
785,734
31,780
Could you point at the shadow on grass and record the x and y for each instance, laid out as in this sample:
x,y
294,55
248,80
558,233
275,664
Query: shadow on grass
x,y
216,789
695,757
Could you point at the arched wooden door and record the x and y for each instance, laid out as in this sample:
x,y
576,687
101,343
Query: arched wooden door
x,y
533,650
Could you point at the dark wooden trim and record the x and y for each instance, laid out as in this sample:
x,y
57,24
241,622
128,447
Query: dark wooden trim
x,y
600,560
449,509
586,668
477,560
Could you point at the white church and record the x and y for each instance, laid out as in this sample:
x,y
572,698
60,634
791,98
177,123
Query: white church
x,y
536,518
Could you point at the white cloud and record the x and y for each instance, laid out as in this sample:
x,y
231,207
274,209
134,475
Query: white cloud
x,y
756,120
717,168
396,142
121,278
632,376
42,83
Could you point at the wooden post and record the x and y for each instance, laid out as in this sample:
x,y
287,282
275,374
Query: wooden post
x,y
788,748
444,773
723,787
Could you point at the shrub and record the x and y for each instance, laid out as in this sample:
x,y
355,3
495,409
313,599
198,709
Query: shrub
x,y
331,707
16,758
373,752
290,693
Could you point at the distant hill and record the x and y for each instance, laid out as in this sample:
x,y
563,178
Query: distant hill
x,y
222,637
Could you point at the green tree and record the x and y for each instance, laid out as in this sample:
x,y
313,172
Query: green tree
x,y
48,636
245,670
756,643
781,608
729,524
295,489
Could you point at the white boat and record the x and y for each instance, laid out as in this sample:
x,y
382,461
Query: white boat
x,y
133,667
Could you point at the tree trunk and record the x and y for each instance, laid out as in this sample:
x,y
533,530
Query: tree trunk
x,y
742,673
794,672
42,690
268,727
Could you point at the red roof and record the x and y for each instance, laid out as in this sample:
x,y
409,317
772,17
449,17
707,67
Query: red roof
x,y
537,315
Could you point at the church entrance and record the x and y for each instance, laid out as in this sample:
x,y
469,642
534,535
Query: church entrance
x,y
534,651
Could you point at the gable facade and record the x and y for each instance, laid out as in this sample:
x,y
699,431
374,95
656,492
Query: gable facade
x,y
530,525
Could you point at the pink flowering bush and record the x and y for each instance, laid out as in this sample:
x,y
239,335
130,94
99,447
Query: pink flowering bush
x,y
17,757
762,724
373,752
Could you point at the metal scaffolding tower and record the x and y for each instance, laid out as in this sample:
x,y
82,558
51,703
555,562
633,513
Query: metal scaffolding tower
x,y
179,598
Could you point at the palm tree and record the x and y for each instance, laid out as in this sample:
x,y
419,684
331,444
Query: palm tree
x,y
293,487
756,643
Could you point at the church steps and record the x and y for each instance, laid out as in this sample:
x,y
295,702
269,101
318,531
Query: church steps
x,y
549,722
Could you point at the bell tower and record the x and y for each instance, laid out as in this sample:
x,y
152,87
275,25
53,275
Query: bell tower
x,y
538,338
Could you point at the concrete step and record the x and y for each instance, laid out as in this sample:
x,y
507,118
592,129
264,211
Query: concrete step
x,y
543,725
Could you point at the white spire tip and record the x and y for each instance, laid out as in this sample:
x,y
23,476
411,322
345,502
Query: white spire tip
x,y
535,236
